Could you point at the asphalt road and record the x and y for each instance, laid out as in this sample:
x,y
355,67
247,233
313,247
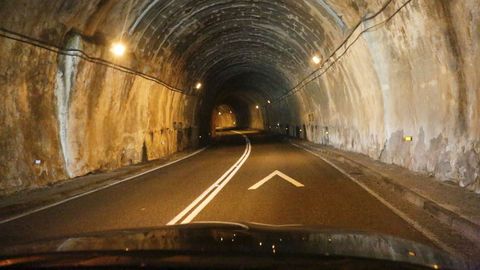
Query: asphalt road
x,y
327,197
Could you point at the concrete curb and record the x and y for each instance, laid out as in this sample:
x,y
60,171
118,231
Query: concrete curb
x,y
456,222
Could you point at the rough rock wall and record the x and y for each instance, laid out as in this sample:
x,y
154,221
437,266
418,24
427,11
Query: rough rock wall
x,y
116,119
414,75
256,118
28,118
63,116
76,117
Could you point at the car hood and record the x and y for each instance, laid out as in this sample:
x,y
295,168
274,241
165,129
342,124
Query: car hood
x,y
224,238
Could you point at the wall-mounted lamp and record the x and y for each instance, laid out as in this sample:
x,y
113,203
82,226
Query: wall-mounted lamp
x,y
408,138
118,49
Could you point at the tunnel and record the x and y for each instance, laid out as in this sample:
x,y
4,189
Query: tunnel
x,y
93,86
361,70
224,117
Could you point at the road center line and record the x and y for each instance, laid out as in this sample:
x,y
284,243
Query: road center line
x,y
214,189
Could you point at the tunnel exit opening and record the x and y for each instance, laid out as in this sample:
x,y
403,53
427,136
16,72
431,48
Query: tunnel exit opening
x,y
223,118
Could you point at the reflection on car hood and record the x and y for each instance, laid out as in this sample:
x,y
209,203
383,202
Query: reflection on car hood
x,y
247,239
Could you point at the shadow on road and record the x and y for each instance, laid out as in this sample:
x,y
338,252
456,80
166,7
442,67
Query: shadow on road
x,y
227,138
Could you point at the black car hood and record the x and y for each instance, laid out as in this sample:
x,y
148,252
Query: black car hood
x,y
249,239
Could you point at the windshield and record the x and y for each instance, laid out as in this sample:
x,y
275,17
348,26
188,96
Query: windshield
x,y
353,120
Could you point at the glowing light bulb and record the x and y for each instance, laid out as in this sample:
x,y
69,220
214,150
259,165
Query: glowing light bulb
x,y
268,101
198,86
316,59
118,49
256,107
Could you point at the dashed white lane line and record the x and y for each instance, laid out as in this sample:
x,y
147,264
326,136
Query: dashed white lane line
x,y
201,201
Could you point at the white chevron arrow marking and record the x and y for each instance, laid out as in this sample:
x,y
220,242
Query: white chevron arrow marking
x,y
270,176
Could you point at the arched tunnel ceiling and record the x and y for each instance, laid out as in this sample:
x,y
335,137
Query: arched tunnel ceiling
x,y
241,83
215,41
181,42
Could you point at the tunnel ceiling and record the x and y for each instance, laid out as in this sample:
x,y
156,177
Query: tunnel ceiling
x,y
185,41
216,41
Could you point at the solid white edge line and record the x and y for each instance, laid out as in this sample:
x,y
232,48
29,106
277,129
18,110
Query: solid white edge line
x,y
397,211
97,189
217,190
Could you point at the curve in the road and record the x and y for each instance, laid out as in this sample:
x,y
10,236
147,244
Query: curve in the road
x,y
201,201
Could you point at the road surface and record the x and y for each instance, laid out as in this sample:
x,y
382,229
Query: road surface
x,y
222,183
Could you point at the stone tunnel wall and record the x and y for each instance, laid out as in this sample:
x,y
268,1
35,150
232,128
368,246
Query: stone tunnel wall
x,y
416,75
77,117
117,119
257,119
28,115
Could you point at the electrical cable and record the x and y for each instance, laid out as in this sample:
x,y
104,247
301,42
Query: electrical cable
x,y
309,77
81,54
